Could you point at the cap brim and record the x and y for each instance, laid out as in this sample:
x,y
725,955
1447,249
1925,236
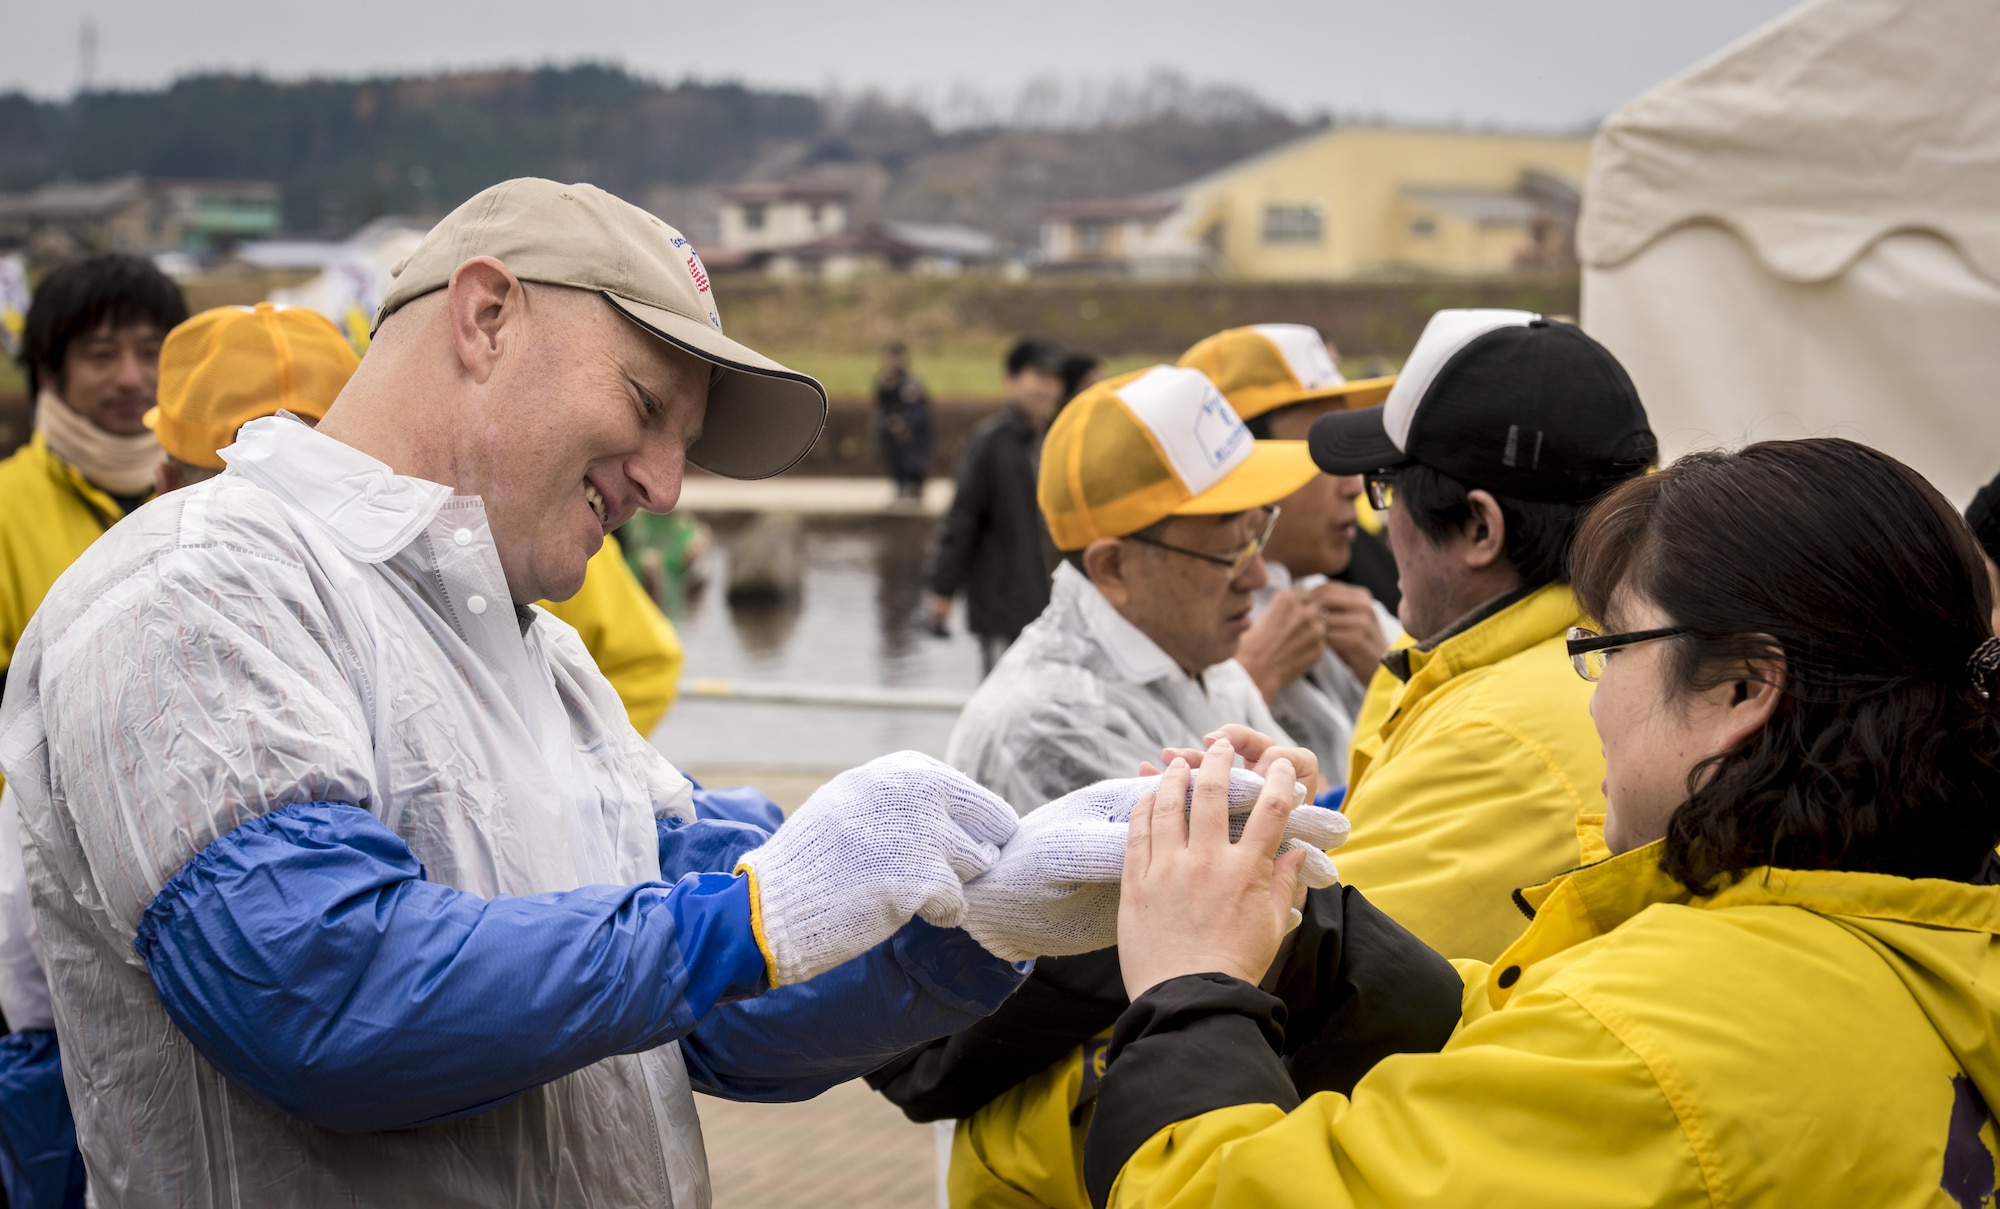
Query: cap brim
x,y
762,418
1363,392
1273,471
1353,442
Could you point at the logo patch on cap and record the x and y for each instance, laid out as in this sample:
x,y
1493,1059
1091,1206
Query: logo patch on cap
x,y
1217,431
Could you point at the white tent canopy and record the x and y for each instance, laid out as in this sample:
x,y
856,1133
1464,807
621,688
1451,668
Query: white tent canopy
x,y
1802,236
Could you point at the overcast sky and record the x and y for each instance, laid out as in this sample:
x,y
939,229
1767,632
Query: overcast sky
x,y
1540,63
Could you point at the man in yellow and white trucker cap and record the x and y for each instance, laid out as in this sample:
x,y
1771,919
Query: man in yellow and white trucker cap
x,y
369,892
1314,641
1160,501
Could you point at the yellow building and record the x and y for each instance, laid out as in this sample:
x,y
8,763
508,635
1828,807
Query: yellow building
x,y
1351,202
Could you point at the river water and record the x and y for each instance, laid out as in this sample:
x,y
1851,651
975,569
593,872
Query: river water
x,y
853,624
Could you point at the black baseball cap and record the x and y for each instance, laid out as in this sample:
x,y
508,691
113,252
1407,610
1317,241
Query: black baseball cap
x,y
1508,401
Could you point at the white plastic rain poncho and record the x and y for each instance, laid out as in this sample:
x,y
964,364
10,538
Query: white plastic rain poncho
x,y
219,659
1083,695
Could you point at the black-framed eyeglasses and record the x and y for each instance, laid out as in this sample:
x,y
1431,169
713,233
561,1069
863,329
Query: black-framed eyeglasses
x,y
1587,647
1235,562
1381,486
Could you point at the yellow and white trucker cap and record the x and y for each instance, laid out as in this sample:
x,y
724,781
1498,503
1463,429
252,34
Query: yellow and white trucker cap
x,y
1160,442
1267,366
762,417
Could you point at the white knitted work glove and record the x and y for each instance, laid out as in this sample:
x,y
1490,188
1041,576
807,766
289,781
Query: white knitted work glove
x,y
893,838
1054,892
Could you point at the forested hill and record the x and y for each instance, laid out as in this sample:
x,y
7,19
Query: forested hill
x,y
345,151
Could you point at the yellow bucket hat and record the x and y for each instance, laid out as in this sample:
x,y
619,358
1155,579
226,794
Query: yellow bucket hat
x,y
1262,368
1160,442
226,367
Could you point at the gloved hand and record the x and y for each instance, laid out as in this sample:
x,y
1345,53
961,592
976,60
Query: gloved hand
x,y
895,837
1054,892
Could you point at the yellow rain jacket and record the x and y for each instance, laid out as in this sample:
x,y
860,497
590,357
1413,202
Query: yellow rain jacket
x,y
1481,773
1800,1038
634,644
49,515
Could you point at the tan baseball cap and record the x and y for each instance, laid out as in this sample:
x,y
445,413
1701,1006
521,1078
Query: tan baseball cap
x,y
762,417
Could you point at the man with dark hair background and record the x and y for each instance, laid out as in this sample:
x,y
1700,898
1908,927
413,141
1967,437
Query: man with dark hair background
x,y
903,429
992,545
91,351
1483,773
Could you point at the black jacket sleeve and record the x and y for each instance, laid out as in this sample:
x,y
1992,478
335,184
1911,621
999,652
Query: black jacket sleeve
x,y
1358,987
1065,1002
1354,988
1189,1046
958,533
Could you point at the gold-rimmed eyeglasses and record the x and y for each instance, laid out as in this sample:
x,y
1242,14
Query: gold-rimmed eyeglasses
x,y
1235,562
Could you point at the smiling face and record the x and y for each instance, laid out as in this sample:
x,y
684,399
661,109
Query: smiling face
x,y
586,423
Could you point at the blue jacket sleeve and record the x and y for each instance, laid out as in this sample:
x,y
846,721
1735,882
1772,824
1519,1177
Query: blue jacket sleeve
x,y
305,955
795,1042
40,1166
742,804
704,846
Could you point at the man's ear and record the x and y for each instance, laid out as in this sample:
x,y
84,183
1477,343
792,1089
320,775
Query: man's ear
x,y
1104,562
484,303
1485,531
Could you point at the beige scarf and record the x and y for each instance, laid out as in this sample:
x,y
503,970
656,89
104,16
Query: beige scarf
x,y
120,465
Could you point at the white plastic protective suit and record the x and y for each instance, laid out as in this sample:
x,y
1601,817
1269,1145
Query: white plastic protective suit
x,y
24,988
258,616
1083,696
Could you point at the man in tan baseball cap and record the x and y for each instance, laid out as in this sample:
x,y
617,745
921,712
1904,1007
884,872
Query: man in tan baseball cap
x,y
369,891
560,352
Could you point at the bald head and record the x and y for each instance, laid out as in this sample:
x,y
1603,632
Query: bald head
x,y
562,415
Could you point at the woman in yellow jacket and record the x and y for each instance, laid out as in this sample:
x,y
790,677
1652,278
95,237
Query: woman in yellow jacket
x,y
1780,989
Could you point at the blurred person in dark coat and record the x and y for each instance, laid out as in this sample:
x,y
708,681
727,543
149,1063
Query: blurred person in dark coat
x,y
992,545
903,429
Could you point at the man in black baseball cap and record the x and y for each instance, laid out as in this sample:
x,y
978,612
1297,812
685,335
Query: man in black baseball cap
x,y
1483,773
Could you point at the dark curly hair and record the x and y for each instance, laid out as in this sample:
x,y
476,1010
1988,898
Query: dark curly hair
x,y
1883,754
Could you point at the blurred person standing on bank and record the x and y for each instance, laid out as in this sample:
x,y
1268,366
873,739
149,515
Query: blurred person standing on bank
x,y
91,351
1314,642
903,428
992,545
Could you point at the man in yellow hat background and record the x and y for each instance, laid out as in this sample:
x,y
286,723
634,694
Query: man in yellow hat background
x,y
1161,502
1164,504
1314,642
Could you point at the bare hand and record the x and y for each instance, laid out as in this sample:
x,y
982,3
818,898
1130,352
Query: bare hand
x,y
1191,902
1282,644
1259,751
940,606
1352,628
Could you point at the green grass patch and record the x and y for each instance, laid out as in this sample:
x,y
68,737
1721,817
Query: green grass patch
x,y
11,377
